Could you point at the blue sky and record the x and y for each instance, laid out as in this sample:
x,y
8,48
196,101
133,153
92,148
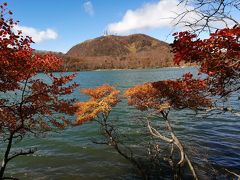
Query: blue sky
x,y
57,25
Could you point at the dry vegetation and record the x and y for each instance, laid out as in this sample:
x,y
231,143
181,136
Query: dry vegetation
x,y
118,52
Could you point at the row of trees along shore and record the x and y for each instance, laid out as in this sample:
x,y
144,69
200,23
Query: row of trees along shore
x,y
32,105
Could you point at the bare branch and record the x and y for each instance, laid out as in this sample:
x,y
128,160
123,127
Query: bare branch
x,y
157,134
174,141
233,173
113,141
208,13
21,153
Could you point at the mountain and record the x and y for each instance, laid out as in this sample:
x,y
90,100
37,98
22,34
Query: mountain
x,y
118,52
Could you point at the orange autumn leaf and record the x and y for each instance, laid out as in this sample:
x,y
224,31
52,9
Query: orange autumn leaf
x,y
101,101
161,95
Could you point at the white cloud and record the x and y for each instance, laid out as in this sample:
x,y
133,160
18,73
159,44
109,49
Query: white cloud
x,y
37,35
88,8
150,16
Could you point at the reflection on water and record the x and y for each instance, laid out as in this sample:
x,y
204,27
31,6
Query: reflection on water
x,y
72,155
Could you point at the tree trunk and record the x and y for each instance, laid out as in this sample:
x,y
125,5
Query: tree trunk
x,y
5,158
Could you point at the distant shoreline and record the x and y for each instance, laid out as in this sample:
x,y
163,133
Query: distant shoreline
x,y
140,68
131,69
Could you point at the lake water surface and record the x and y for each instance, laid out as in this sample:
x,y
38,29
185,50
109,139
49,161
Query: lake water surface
x,y
72,155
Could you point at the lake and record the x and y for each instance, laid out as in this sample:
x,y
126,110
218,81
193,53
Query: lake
x,y
71,154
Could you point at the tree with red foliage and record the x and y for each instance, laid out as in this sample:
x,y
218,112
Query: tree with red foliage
x,y
159,98
30,103
218,57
